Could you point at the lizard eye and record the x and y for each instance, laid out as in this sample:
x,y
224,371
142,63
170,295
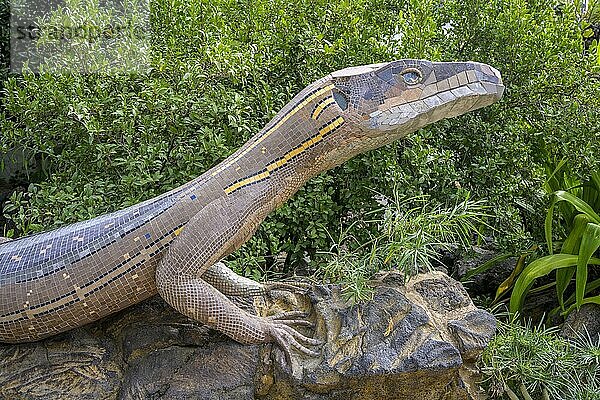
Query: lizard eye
x,y
411,76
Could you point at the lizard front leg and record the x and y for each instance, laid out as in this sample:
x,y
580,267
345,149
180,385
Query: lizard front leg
x,y
179,282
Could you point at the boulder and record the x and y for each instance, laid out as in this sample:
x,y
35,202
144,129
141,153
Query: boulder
x,y
418,340
584,322
486,282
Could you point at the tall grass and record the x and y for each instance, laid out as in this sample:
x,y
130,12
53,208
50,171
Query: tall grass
x,y
412,233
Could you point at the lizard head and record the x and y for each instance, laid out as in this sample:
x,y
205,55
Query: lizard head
x,y
384,102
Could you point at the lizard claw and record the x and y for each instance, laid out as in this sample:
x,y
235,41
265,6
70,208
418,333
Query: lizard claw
x,y
290,318
280,331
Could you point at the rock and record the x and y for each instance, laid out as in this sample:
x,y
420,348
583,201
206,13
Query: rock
x,y
472,332
583,322
487,282
414,341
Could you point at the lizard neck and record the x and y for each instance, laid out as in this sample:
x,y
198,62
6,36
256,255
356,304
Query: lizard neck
x,y
279,159
271,166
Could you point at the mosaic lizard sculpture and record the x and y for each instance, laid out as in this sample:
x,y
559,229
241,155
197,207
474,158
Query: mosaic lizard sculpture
x,y
172,244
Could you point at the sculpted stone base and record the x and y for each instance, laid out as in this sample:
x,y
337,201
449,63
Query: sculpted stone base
x,y
417,341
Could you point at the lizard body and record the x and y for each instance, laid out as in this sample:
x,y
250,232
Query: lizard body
x,y
54,281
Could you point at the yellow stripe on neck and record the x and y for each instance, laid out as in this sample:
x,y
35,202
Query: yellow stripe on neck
x,y
287,157
265,135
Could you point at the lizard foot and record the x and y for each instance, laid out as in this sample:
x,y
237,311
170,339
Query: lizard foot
x,y
279,329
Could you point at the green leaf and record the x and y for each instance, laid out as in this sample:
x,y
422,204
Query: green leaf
x,y
589,244
548,225
570,246
579,204
540,267
573,241
595,178
595,300
552,183
594,187
590,287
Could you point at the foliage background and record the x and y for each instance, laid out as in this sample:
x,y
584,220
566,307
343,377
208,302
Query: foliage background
x,y
221,69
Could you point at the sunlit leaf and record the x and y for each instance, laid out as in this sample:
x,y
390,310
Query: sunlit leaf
x,y
579,204
576,202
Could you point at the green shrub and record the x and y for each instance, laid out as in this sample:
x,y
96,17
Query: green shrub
x,y
411,235
4,40
220,70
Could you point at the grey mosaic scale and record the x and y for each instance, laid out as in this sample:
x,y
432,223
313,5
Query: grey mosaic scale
x,y
172,244
54,250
